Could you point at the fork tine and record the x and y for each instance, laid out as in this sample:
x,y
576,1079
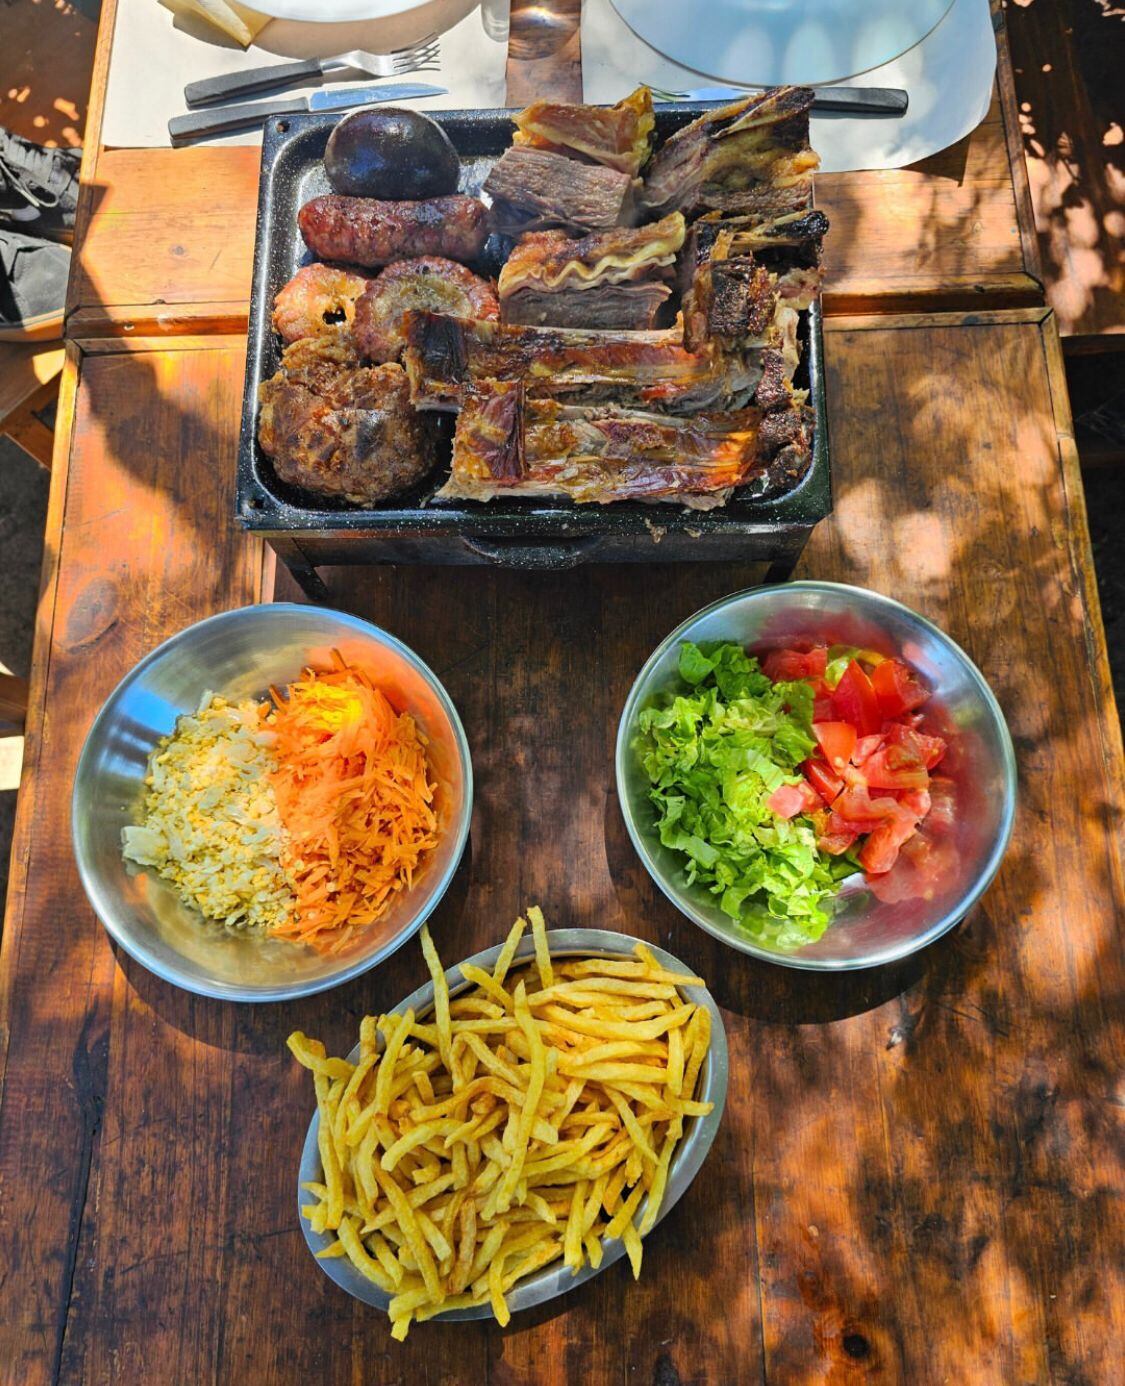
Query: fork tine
x,y
411,60
402,65
430,39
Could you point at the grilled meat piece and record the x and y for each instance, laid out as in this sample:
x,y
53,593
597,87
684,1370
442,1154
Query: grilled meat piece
x,y
509,444
611,306
338,427
444,355
429,282
618,136
611,279
319,300
751,157
535,188
365,231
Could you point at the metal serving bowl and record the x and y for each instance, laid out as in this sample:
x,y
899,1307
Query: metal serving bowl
x,y
240,654
980,761
699,1132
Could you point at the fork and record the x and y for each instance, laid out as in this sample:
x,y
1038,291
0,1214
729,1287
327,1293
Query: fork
x,y
417,57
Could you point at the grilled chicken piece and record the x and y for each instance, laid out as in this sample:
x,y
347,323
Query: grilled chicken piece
x,y
611,279
366,231
751,157
340,428
619,137
508,444
535,188
431,283
444,355
319,300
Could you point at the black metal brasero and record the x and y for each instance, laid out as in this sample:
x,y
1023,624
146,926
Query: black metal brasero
x,y
307,531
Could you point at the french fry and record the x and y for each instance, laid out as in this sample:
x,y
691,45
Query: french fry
x,y
519,1125
542,948
508,952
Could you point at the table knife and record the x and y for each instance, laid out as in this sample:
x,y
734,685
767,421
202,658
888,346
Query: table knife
x,y
213,120
852,100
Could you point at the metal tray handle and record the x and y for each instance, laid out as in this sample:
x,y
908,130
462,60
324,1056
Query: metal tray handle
x,y
554,555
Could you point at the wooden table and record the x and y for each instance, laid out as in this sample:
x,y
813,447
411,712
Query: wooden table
x,y
915,1178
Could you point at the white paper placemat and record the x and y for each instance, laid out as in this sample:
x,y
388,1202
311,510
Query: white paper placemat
x,y
155,54
948,76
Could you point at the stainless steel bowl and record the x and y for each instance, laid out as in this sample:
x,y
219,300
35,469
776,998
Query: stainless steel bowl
x,y
240,654
699,1132
980,762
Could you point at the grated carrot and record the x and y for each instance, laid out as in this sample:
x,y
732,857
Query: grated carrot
x,y
355,801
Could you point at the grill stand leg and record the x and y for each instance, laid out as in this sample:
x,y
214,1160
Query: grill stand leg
x,y
781,567
304,574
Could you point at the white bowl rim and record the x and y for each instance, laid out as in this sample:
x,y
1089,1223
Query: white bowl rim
x,y
699,1134
968,897
230,991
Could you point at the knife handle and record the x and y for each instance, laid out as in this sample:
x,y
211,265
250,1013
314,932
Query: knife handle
x,y
229,84
861,100
214,120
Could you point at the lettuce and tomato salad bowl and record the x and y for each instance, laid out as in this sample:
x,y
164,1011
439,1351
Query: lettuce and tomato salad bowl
x,y
816,775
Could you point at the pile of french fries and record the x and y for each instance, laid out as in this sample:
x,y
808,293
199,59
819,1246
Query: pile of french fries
x,y
522,1123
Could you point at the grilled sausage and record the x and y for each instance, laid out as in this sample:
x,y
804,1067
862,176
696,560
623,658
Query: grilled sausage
x,y
364,231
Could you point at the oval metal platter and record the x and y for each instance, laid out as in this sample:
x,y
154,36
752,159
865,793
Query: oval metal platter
x,y
699,1132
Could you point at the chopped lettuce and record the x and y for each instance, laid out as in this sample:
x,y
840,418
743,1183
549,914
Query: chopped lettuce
x,y
714,752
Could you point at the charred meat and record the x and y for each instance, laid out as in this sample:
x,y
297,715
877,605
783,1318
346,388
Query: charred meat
x,y
619,137
317,301
608,279
752,157
534,188
365,231
336,426
442,286
509,444
445,355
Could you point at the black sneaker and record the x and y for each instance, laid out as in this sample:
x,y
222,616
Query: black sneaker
x,y
33,275
38,187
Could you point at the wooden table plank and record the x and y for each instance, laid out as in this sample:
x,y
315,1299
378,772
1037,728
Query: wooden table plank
x,y
140,541
160,255
169,233
897,1145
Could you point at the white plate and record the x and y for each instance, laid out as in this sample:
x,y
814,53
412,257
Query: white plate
x,y
335,11
768,42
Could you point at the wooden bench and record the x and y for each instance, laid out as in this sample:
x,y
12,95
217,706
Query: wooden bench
x,y
29,377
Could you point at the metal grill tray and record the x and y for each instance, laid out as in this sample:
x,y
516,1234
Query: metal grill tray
x,y
310,530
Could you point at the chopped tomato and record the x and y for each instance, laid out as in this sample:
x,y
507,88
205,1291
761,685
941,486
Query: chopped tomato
x,y
855,702
836,843
917,801
837,741
826,784
792,799
857,806
864,747
943,798
882,773
783,666
922,869
880,852
928,750
897,689
823,708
